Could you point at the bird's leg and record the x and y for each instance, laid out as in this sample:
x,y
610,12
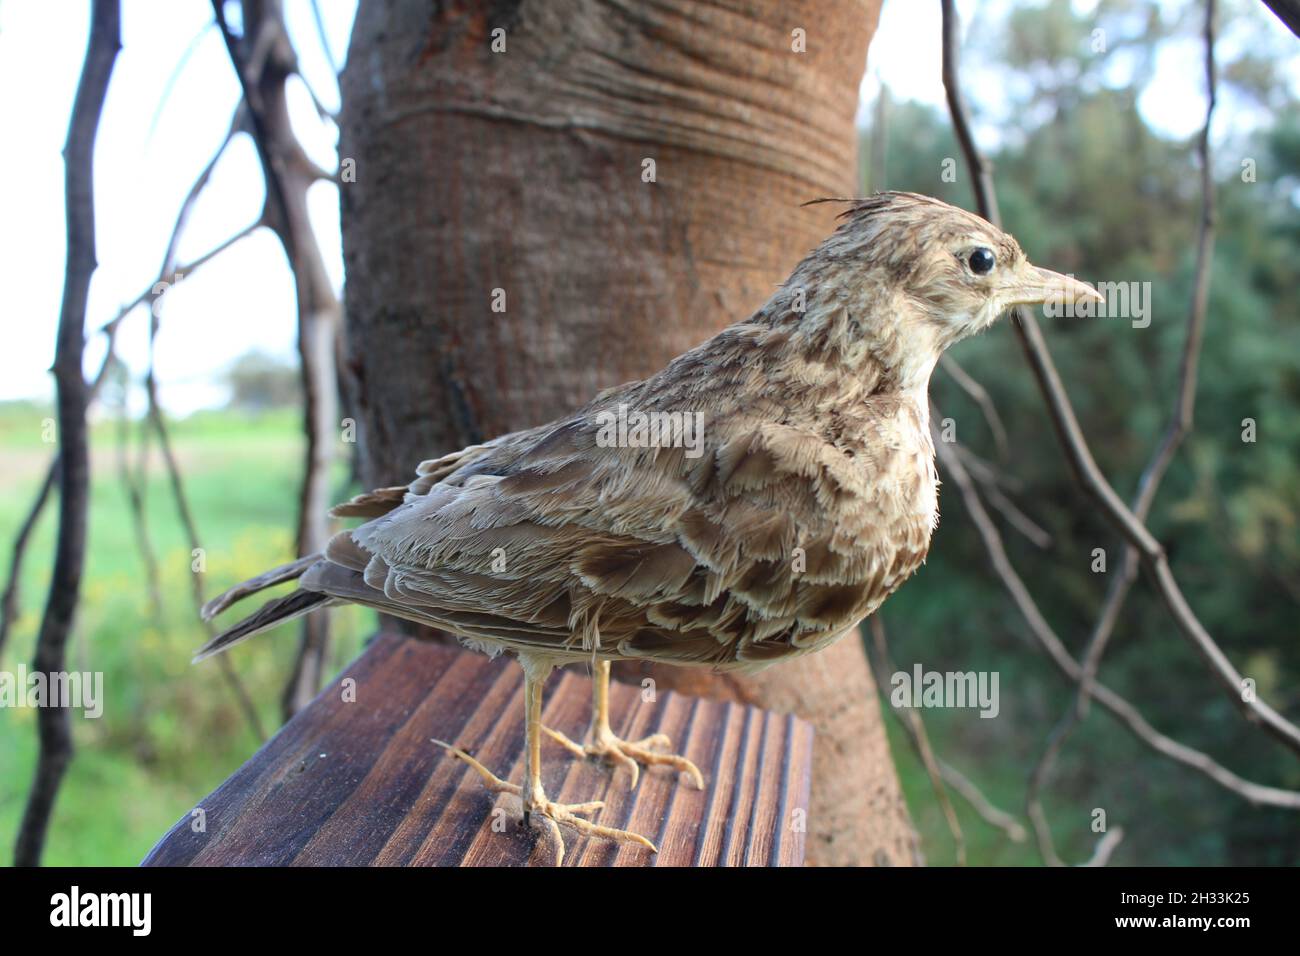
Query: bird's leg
x,y
625,753
537,809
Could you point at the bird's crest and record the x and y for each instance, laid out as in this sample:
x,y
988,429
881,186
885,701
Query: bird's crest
x,y
879,202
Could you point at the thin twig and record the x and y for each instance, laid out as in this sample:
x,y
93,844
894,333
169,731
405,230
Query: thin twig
x,y
1018,519
9,604
134,484
989,481
1033,803
981,804
979,394
186,515
1105,848
988,474
53,721
13,587
170,272
916,733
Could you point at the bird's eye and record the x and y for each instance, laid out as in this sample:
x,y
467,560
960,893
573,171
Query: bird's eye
x,y
981,261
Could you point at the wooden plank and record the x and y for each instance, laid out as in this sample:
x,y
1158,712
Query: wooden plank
x,y
354,779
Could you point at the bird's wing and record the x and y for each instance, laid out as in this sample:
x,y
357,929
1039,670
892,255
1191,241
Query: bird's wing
x,y
380,501
557,539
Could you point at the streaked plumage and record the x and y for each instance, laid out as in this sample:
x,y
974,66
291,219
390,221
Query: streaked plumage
x,y
813,495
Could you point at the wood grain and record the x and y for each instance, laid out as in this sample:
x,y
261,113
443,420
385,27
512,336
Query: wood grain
x,y
358,782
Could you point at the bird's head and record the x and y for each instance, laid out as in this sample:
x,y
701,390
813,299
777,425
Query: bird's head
x,y
917,274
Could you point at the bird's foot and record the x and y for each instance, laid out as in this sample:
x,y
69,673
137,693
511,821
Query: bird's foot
x,y
547,815
629,753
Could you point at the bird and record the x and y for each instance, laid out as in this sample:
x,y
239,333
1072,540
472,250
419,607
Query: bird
x,y
753,501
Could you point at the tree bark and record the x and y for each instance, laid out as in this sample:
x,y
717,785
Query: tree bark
x,y
620,182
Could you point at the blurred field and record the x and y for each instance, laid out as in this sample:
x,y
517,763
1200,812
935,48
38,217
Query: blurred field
x,y
170,732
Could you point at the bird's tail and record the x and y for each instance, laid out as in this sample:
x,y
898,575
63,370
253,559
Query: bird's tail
x,y
267,579
271,613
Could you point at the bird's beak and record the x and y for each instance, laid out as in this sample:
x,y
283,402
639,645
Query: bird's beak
x,y
1037,286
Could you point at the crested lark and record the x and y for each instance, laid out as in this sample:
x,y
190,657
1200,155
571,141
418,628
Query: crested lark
x,y
754,500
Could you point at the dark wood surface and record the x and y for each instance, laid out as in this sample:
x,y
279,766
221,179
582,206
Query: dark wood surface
x,y
356,783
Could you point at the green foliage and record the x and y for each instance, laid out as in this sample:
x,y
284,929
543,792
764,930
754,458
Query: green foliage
x,y
1088,188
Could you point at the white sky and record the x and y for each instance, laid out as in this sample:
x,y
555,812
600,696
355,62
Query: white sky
x,y
146,159
150,150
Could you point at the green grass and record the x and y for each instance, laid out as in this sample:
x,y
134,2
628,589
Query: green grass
x,y
170,732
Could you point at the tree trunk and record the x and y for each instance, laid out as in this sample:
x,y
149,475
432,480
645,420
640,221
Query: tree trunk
x,y
553,198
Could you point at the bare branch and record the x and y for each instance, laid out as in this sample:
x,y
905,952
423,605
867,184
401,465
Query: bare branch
x,y
1105,848
171,276
1127,714
9,603
988,474
1033,801
980,170
155,417
979,394
192,197
186,515
915,727
1075,445
169,271
168,274
991,815
989,481
53,721
134,485
1180,423
263,66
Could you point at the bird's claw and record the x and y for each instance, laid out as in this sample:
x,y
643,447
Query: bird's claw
x,y
629,753
547,815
